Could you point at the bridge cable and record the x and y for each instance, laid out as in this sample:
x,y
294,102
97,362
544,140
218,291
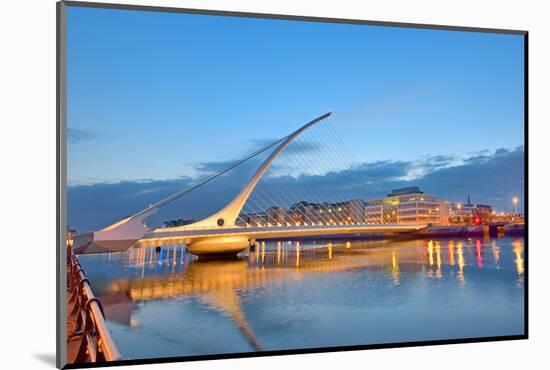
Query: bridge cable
x,y
210,178
294,210
321,208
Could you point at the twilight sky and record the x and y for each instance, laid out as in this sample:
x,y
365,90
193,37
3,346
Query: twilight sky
x,y
156,100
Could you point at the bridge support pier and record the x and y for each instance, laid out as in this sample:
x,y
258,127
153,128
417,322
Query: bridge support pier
x,y
222,246
251,245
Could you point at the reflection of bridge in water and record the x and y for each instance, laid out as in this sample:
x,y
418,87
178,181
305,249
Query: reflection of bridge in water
x,y
228,231
220,284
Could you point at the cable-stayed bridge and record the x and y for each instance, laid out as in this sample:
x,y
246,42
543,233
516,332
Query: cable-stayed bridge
x,y
256,214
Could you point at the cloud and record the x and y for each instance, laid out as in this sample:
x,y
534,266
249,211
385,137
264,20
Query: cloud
x,y
492,178
76,135
283,165
211,167
300,146
420,168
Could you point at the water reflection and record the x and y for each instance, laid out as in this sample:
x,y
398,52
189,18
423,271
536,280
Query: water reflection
x,y
438,272
395,268
461,262
297,254
479,254
431,252
146,274
496,252
451,252
518,252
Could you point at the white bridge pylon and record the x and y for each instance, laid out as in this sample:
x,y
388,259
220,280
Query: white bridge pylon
x,y
134,228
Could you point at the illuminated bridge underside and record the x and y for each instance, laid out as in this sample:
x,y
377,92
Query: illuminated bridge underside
x,y
234,240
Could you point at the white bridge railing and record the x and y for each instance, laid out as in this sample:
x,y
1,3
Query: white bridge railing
x,y
283,227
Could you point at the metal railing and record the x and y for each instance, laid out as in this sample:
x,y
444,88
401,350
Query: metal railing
x,y
88,339
271,226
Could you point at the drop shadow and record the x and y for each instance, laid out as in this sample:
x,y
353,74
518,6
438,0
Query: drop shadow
x,y
46,358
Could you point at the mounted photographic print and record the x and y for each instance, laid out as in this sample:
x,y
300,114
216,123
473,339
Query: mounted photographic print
x,y
235,184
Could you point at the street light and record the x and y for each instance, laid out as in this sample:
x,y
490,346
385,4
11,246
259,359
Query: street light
x,y
515,201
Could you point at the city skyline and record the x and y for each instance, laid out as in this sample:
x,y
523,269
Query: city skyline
x,y
107,203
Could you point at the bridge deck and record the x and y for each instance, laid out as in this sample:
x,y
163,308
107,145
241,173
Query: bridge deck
x,y
281,231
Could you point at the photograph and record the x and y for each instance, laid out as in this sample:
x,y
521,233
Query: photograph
x,y
240,185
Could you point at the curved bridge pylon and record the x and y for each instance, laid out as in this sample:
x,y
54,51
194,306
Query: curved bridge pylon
x,y
133,228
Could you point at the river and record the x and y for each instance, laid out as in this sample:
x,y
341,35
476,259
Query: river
x,y
309,294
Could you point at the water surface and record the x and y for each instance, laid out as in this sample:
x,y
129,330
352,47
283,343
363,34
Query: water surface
x,y
290,295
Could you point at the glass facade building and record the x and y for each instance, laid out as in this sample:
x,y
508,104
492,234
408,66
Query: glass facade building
x,y
407,205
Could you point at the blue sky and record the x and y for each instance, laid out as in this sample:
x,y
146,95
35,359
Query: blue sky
x,y
155,95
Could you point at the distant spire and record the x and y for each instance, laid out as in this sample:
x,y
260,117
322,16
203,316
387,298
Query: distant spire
x,y
469,201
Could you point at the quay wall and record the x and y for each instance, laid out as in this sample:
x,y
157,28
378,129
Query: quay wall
x,y
429,232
